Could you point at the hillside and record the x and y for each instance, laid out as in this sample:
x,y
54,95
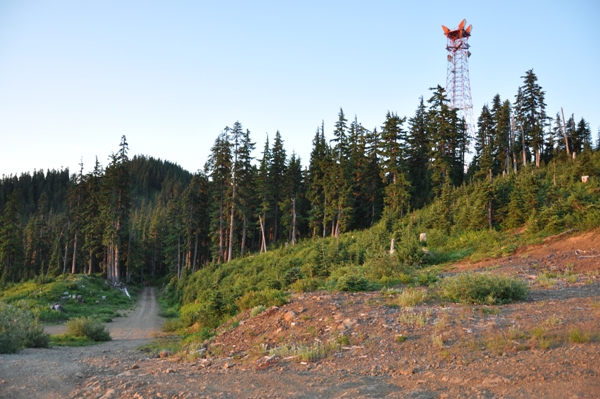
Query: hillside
x,y
332,344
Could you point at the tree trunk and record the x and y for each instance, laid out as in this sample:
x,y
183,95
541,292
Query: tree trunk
x,y
263,245
243,244
195,253
90,261
524,152
565,132
293,221
65,257
178,255
74,252
128,269
221,238
325,218
154,260
116,262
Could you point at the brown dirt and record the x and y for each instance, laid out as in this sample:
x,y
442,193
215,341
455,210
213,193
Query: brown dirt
x,y
579,253
524,349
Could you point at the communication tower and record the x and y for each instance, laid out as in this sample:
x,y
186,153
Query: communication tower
x,y
458,86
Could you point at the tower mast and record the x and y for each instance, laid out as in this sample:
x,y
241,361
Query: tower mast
x,y
458,86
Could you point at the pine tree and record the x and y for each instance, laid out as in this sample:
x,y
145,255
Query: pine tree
x,y
218,167
530,112
11,247
582,139
116,202
316,181
393,165
292,199
264,194
485,145
501,113
92,227
246,173
418,157
447,141
277,170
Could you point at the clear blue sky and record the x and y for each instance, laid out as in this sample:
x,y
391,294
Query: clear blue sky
x,y
170,75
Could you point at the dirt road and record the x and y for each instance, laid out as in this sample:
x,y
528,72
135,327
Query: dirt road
x,y
55,372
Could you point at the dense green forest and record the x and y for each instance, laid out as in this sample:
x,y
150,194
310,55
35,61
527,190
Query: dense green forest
x,y
140,218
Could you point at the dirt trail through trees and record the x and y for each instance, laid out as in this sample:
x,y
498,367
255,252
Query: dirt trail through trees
x,y
53,373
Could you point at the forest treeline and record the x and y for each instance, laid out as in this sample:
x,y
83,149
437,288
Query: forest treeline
x,y
140,217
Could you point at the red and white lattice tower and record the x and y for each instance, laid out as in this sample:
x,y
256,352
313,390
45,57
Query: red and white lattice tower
x,y
458,86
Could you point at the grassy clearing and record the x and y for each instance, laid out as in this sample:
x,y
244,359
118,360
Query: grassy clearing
x,y
100,301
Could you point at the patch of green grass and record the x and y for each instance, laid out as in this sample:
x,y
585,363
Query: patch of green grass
x,y
411,297
169,343
414,319
257,310
400,338
578,336
483,288
71,340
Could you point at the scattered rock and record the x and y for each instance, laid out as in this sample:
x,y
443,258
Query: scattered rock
x,y
289,316
135,366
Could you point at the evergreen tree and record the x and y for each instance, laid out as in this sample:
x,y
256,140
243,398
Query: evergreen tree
x,y
264,193
447,141
218,167
246,186
418,157
11,247
92,227
292,204
393,167
277,170
485,145
530,112
116,203
315,194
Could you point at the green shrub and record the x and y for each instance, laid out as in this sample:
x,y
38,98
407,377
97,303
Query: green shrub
x,y
168,313
352,283
88,327
20,329
267,297
384,266
292,275
307,285
35,337
483,288
172,325
197,313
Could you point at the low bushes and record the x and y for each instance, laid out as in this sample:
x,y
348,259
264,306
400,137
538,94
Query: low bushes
x,y
267,297
88,327
483,288
20,329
